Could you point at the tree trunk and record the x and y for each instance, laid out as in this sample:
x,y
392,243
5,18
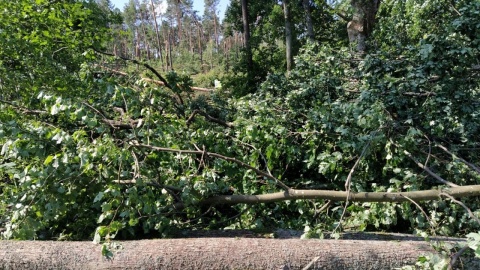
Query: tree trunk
x,y
213,253
170,44
200,48
157,34
246,34
179,20
361,25
215,27
288,35
308,20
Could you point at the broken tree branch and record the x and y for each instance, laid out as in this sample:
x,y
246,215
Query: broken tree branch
x,y
348,183
23,109
472,166
147,66
200,89
197,152
209,118
462,205
297,194
425,168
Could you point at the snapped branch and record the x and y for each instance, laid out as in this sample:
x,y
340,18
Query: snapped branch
x,y
209,118
297,194
210,154
160,77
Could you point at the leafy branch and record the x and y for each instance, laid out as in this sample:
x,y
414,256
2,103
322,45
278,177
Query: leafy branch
x,y
205,153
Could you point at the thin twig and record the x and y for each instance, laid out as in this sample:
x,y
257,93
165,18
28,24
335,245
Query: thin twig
x,y
457,255
325,206
200,89
348,183
23,109
421,209
425,168
429,150
106,120
311,263
472,166
461,204
260,153
160,77
208,117
458,13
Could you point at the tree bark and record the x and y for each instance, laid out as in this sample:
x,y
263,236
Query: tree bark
x,y
213,253
361,25
308,20
288,35
246,34
157,34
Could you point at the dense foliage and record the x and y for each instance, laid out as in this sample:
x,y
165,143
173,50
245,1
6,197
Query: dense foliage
x,y
86,154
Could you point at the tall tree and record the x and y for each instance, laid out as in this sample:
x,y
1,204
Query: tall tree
x,y
246,34
308,19
288,35
361,25
130,16
157,32
105,5
210,17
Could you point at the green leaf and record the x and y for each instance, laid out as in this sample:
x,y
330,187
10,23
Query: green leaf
x,y
48,160
98,197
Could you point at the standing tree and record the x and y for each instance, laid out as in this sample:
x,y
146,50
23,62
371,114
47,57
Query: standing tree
x,y
157,32
308,19
288,35
362,23
246,34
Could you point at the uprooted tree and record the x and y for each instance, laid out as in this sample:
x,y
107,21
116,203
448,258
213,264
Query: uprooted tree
x,y
385,140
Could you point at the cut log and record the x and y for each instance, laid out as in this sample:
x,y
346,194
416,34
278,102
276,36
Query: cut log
x,y
214,253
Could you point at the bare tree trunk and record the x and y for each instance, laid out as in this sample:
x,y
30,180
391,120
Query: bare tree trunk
x,y
145,37
226,52
157,34
308,19
214,253
361,25
215,28
179,21
166,33
170,44
288,35
190,42
246,34
200,49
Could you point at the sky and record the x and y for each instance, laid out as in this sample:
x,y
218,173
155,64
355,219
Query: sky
x,y
197,5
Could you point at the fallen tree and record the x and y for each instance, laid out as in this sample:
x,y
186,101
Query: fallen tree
x,y
214,253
